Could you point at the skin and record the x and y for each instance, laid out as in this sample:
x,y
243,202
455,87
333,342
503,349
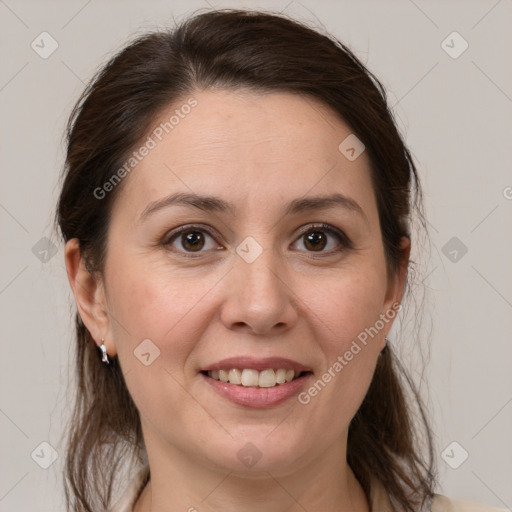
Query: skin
x,y
293,301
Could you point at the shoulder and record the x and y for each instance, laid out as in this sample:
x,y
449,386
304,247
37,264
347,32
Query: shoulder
x,y
132,491
444,504
380,502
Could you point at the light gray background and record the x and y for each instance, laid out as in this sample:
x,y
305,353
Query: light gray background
x,y
455,114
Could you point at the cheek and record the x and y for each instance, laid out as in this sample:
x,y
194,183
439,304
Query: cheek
x,y
351,303
147,300
345,315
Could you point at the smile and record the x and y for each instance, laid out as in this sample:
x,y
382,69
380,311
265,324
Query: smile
x,y
247,377
254,382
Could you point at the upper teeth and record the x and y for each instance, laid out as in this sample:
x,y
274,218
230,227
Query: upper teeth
x,y
248,377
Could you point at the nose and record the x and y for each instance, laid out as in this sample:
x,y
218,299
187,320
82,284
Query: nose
x,y
259,298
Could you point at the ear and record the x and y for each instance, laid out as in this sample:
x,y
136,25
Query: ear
x,y
89,292
396,282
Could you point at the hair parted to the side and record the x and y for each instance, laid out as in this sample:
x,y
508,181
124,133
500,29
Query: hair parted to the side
x,y
233,49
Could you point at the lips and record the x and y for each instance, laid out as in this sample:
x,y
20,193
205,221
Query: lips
x,y
254,382
257,364
253,378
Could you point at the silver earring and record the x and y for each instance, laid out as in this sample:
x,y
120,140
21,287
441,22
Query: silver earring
x,y
104,357
386,341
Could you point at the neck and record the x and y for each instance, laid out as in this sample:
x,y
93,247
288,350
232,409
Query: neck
x,y
178,482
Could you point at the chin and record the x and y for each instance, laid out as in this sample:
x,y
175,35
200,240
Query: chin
x,y
258,453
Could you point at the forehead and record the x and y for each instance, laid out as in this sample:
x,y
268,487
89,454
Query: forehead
x,y
248,147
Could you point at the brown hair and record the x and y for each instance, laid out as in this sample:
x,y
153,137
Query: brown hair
x,y
232,49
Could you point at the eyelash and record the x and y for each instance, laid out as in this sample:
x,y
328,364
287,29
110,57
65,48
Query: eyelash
x,y
344,241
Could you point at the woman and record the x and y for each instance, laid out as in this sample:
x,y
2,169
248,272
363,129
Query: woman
x,y
236,207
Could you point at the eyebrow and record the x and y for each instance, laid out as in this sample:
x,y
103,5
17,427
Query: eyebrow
x,y
215,204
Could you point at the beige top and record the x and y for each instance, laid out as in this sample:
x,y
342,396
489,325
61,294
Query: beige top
x,y
379,500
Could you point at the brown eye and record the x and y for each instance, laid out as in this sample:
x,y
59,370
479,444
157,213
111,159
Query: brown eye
x,y
323,239
191,240
315,241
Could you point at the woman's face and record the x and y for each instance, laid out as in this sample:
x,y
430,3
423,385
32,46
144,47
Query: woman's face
x,y
267,268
